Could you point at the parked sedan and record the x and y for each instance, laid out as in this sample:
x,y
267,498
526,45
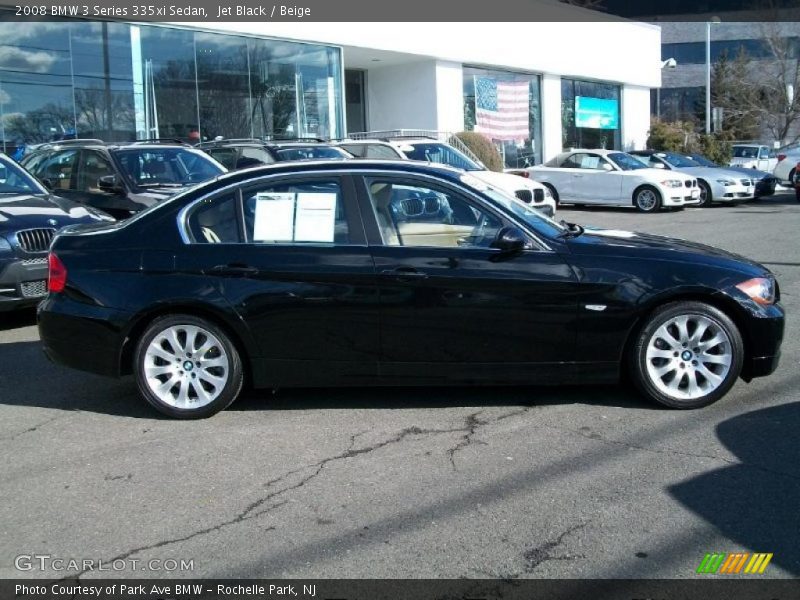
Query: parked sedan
x,y
395,273
715,185
614,178
787,165
764,182
29,217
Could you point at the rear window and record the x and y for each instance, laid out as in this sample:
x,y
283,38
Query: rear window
x,y
745,151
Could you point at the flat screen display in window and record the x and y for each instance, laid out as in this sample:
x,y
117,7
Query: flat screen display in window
x,y
596,113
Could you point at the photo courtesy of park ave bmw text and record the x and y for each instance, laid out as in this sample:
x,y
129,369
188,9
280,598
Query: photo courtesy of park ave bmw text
x,y
337,299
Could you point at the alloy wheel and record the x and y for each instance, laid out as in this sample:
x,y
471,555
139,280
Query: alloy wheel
x,y
646,200
186,366
689,356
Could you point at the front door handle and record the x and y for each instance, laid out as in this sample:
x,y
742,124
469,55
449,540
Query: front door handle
x,y
234,270
404,273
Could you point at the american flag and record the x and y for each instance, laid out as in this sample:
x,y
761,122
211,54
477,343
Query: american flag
x,y
501,108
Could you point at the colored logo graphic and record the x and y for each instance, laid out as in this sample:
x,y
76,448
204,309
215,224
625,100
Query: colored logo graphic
x,y
736,563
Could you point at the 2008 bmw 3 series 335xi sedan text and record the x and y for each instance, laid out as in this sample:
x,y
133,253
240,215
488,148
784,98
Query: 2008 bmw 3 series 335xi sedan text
x,y
395,273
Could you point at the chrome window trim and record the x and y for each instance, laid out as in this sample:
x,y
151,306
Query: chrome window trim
x,y
181,219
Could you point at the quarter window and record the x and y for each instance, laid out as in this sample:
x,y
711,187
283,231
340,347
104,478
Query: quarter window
x,y
310,212
215,221
415,215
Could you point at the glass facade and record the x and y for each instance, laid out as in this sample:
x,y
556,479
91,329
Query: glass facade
x,y
607,134
694,53
121,82
507,110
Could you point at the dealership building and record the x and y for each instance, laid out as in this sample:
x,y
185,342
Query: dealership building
x,y
123,81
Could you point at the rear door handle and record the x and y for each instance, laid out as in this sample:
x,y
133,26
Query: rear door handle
x,y
404,273
234,269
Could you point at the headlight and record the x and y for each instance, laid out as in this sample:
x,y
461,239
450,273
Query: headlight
x,y
4,245
672,183
726,182
760,290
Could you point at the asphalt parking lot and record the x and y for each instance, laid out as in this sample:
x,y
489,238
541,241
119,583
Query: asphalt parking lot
x,y
476,483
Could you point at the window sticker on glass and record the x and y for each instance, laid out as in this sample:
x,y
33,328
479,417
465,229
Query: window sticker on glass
x,y
274,219
315,219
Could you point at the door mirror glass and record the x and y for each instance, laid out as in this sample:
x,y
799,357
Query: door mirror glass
x,y
510,239
607,167
657,165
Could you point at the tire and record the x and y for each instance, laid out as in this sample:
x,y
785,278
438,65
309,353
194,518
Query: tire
x,y
647,199
553,192
706,197
203,385
666,378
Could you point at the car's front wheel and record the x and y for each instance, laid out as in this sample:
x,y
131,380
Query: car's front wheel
x,y
687,355
647,199
706,197
187,367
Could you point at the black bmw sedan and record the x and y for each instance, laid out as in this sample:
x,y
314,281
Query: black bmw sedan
x,y
29,218
395,273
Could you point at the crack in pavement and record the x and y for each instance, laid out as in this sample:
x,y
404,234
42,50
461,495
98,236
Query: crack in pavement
x,y
539,554
471,424
259,507
36,427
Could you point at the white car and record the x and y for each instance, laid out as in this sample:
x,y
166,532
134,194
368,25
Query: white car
x,y
431,150
610,177
754,156
787,164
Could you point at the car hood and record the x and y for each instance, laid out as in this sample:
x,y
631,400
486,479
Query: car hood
x,y
753,173
615,242
506,181
709,172
27,211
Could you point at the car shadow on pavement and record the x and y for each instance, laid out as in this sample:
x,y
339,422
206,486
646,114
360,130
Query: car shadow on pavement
x,y
412,397
27,378
17,319
754,502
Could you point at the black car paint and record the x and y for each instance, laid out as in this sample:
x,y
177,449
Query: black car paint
x,y
321,314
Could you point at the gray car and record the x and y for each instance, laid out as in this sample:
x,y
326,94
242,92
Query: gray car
x,y
716,185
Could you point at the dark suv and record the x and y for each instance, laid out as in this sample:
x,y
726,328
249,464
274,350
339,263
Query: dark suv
x,y
243,153
119,179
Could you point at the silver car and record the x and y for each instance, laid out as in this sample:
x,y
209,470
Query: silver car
x,y
716,185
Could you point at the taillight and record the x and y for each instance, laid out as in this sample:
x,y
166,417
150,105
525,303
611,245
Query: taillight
x,y
781,157
57,274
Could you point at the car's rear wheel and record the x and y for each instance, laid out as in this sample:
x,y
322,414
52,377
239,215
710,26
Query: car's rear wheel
x,y
687,355
187,367
647,199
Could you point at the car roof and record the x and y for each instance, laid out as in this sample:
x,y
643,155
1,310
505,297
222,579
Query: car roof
x,y
362,164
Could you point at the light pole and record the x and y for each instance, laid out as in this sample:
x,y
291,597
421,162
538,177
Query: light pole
x,y
708,71
670,63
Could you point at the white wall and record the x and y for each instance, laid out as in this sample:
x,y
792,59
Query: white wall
x,y
623,51
635,117
402,96
552,142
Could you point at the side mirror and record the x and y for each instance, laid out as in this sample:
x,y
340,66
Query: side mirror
x,y
510,240
108,183
658,165
607,167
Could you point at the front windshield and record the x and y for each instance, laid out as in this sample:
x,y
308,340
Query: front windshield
x,y
677,161
745,152
311,153
626,162
166,167
525,212
15,180
703,161
441,154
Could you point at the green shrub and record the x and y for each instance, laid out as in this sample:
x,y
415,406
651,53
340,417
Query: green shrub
x,y
669,137
483,148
